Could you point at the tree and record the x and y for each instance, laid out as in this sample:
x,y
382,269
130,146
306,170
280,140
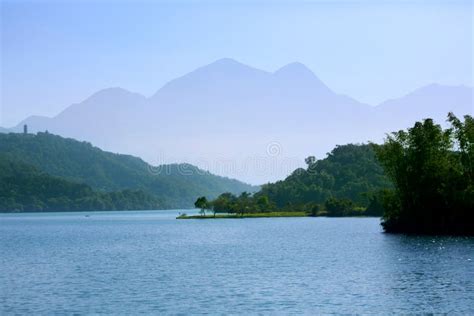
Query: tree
x,y
223,203
431,170
244,203
202,204
338,207
315,210
263,203
375,207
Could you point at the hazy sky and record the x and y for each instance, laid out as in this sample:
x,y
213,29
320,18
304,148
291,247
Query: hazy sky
x,y
54,53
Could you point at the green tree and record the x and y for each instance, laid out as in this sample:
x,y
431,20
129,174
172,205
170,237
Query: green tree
x,y
202,204
244,203
338,207
431,170
263,203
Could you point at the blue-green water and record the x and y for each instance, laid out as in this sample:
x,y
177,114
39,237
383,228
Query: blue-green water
x,y
148,262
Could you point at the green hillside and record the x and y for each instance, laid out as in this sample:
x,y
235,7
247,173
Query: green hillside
x,y
176,185
348,172
24,188
348,182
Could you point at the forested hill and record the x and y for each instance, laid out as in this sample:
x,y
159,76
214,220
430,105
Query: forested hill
x,y
24,188
348,182
175,185
348,172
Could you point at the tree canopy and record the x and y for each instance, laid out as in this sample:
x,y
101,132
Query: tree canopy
x,y
432,172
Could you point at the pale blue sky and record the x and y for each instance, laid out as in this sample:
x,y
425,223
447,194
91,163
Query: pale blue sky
x,y
55,53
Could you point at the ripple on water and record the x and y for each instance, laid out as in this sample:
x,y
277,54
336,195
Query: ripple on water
x,y
148,262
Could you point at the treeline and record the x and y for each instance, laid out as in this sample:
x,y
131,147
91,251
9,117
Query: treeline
x,y
348,182
246,203
24,188
432,170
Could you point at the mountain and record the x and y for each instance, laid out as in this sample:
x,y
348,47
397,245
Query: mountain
x,y
227,91
101,118
433,101
225,116
25,188
176,185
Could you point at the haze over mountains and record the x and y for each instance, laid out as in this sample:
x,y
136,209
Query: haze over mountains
x,y
242,122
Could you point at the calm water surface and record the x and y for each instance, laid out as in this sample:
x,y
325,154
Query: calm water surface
x,y
148,262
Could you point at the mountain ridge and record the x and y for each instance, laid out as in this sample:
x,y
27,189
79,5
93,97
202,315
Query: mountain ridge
x,y
227,61
199,116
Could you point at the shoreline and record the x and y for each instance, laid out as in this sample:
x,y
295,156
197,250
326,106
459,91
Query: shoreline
x,y
247,215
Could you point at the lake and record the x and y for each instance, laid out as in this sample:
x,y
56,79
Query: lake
x,y
149,262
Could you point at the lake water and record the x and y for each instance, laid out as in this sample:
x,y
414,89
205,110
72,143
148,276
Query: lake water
x,y
148,262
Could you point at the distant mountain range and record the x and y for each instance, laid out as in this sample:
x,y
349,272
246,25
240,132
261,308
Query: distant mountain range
x,y
225,117
62,165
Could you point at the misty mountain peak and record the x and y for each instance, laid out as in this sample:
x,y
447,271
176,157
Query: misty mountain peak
x,y
295,68
226,75
298,72
226,62
102,103
227,67
436,90
109,98
112,94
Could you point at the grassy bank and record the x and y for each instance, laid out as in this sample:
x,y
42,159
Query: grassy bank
x,y
246,215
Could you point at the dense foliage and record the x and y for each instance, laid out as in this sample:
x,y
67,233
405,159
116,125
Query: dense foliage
x,y
432,171
349,181
24,188
176,185
348,172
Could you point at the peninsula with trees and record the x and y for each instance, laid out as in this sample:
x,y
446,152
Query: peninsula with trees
x,y
420,180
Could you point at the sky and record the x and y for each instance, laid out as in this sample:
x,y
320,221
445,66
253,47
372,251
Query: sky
x,y
55,53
